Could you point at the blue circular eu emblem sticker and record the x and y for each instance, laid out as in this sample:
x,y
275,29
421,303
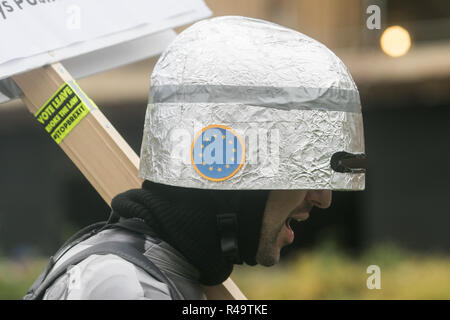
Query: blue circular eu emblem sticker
x,y
217,152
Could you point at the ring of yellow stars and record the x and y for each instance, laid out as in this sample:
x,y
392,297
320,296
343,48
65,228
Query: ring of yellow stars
x,y
227,157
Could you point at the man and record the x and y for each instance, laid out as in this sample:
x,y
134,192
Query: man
x,y
248,126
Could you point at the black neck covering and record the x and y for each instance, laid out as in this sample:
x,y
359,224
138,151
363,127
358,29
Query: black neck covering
x,y
186,219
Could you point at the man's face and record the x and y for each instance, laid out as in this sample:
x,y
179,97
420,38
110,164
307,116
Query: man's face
x,y
281,207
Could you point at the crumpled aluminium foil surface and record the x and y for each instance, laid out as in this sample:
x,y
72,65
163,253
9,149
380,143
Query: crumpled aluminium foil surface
x,y
290,98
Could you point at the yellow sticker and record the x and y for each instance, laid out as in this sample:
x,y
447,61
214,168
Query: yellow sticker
x,y
64,110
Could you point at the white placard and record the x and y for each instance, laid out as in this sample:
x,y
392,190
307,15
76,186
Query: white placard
x,y
34,33
29,27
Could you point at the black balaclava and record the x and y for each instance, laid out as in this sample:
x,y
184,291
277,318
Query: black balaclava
x,y
186,218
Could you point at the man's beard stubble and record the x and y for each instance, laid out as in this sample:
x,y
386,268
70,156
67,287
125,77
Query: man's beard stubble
x,y
268,253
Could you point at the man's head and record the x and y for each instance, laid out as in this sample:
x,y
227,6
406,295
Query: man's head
x,y
240,104
282,207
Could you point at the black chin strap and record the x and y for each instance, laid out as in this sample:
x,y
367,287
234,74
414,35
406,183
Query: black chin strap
x,y
228,228
227,225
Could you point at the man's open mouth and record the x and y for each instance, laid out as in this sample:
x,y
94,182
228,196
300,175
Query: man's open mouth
x,y
296,217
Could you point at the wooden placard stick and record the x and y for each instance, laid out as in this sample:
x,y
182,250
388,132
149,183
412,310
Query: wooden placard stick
x,y
96,148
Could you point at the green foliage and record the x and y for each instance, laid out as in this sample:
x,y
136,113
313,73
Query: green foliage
x,y
327,273
16,277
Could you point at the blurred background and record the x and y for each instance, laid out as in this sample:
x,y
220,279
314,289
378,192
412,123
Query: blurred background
x,y
401,222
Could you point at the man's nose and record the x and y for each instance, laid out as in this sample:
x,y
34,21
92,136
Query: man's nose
x,y
319,198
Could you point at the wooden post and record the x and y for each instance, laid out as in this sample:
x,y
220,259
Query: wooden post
x,y
97,149
228,290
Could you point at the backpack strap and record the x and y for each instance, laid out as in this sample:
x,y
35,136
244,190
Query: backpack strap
x,y
84,234
126,252
136,225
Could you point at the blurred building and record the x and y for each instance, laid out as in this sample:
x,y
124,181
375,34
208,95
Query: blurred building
x,y
406,109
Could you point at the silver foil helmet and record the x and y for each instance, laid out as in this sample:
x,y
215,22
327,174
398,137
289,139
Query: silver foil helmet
x,y
240,103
